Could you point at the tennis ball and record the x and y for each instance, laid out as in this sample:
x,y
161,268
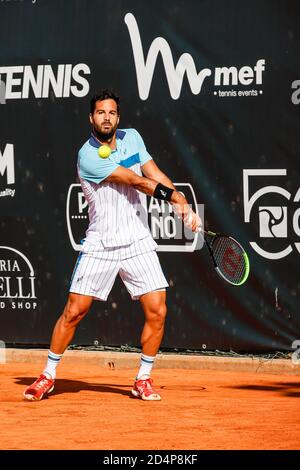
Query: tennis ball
x,y
104,151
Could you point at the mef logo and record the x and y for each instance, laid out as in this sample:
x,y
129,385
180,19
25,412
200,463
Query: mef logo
x,y
7,163
166,228
175,74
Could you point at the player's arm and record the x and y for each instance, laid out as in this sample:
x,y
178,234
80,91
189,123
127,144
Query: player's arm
x,y
142,183
158,190
151,170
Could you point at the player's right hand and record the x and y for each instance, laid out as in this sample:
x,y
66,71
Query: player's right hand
x,y
182,209
192,221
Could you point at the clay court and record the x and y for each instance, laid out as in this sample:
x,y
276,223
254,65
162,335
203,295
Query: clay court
x,y
92,408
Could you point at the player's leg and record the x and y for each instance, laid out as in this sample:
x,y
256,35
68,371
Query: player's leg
x,y
93,277
144,279
75,310
155,310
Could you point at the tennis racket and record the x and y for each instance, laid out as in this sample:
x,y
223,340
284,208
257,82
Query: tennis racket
x,y
229,257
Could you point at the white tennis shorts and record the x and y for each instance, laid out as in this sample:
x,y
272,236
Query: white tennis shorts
x,y
138,265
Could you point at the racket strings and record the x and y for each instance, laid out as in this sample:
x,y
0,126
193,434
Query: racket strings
x,y
229,258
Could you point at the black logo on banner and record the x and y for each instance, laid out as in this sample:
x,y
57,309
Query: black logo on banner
x,y
279,223
17,280
166,227
7,171
77,215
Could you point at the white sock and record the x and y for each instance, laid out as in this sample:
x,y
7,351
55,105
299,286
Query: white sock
x,y
145,366
52,363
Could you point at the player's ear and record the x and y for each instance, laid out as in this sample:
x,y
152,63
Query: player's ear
x,y
91,118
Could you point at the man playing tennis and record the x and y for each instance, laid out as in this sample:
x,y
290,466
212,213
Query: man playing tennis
x,y
118,240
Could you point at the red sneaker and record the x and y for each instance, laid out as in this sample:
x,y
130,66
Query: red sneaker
x,y
39,388
143,389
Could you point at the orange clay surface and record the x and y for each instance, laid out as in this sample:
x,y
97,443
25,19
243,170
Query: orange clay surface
x,y
91,408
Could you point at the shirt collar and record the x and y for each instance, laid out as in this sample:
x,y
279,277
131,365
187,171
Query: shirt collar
x,y
95,143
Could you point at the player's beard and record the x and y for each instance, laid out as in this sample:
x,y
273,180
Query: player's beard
x,y
105,136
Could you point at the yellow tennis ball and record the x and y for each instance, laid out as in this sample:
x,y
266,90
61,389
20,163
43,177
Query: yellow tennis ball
x,y
104,151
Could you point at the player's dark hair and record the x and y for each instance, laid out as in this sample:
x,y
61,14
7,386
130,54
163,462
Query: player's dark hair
x,y
105,94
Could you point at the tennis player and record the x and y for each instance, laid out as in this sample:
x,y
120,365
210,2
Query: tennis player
x,y
118,240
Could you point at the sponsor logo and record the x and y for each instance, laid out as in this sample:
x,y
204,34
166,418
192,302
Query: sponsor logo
x,y
274,221
42,81
76,215
165,226
231,76
7,170
167,229
17,280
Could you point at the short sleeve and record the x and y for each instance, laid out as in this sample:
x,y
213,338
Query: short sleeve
x,y
144,155
93,168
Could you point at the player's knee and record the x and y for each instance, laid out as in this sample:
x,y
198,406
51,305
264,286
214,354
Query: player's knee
x,y
74,313
158,314
162,312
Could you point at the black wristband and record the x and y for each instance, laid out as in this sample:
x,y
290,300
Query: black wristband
x,y
163,192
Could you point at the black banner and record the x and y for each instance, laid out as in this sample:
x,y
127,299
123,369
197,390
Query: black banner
x,y
214,89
